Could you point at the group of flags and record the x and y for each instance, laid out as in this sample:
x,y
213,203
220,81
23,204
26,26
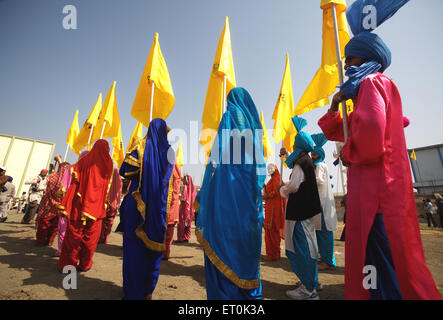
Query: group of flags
x,y
104,121
155,97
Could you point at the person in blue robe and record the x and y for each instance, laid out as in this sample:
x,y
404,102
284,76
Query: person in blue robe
x,y
144,211
230,216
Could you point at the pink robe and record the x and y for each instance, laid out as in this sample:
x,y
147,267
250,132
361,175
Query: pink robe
x,y
186,210
379,181
63,220
173,210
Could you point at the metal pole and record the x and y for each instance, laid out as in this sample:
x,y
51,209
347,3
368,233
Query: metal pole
x,y
281,166
224,93
90,135
341,170
340,71
152,101
103,129
66,152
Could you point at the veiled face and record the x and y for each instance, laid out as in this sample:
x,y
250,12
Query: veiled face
x,y
353,61
271,169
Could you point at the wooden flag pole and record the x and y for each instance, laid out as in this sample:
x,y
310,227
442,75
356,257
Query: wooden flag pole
x,y
152,101
66,152
340,71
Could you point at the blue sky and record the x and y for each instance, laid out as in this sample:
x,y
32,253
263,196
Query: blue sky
x,y
47,72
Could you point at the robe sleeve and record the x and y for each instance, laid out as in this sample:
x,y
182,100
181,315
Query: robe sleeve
x,y
365,144
297,177
332,126
320,175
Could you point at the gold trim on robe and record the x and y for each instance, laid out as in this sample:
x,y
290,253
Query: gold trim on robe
x,y
223,268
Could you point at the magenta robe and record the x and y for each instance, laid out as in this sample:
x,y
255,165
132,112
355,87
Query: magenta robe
x,y
379,181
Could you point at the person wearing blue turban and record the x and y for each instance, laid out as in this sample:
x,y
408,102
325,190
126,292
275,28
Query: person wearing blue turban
x,y
366,54
302,206
382,229
230,207
328,224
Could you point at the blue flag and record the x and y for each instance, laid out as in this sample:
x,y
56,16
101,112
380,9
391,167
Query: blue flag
x,y
367,15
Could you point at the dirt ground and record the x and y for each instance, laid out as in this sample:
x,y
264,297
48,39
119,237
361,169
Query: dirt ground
x,y
29,272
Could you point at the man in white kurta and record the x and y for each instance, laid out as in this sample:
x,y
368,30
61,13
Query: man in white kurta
x,y
38,187
5,197
327,222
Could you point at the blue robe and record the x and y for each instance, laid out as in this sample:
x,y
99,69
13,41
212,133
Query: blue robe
x,y
230,218
144,212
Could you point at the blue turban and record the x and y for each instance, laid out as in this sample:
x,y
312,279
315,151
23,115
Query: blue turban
x,y
369,46
319,140
302,141
10,179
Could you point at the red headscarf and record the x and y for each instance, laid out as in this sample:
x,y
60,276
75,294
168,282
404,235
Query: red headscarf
x,y
91,177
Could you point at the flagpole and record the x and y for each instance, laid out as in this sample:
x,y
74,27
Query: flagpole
x,y
340,71
66,152
341,78
281,166
90,135
224,93
103,129
152,101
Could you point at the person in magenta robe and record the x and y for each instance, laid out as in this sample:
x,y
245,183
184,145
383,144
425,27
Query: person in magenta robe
x,y
186,210
382,229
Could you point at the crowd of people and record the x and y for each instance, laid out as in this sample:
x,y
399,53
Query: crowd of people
x,y
234,205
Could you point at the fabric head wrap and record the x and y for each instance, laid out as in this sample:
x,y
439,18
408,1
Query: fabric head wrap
x,y
369,46
10,178
319,140
302,141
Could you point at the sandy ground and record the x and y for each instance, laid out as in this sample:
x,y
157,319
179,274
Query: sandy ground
x,y
29,272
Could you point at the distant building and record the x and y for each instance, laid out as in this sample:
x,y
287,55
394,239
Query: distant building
x,y
24,158
427,169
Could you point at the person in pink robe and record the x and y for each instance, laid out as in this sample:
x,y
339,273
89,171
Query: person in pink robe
x,y
173,210
112,205
63,220
186,210
381,223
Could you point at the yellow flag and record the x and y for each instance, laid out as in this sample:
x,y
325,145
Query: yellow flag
x,y
73,132
88,125
413,156
137,134
108,117
179,157
155,71
267,146
326,79
284,111
118,154
223,66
